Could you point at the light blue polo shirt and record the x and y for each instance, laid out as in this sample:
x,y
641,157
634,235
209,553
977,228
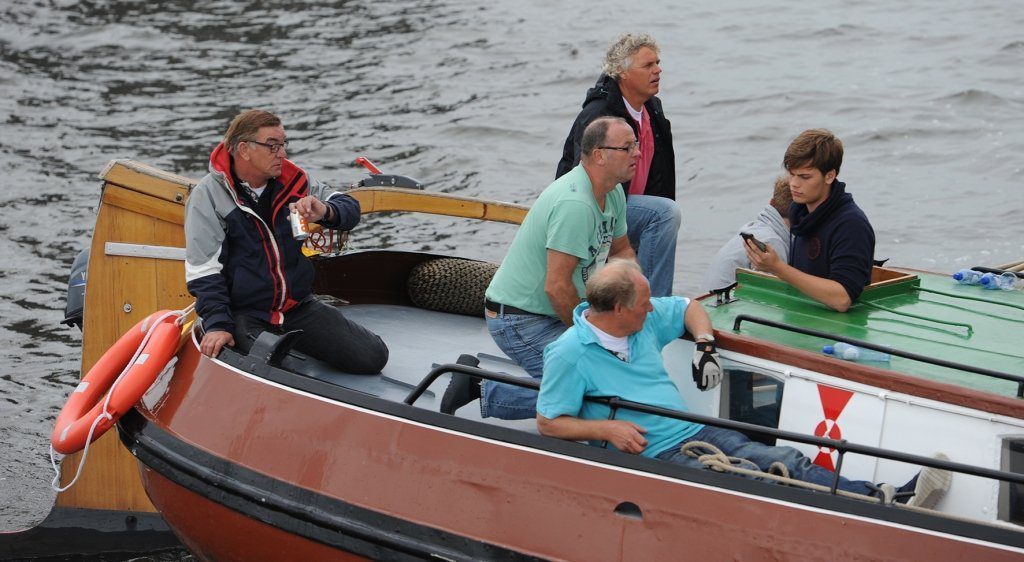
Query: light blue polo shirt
x,y
576,365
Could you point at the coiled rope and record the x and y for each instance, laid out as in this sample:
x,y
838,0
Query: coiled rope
x,y
714,459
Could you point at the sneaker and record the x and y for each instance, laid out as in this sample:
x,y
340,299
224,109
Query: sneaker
x,y
931,484
462,389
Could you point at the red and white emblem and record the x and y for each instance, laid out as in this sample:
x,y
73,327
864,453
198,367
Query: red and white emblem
x,y
834,413
833,401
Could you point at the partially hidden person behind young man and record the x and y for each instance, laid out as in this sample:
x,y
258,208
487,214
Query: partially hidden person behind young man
x,y
771,227
243,264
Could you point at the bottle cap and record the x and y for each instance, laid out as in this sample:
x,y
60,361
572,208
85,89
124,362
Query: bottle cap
x,y
959,275
828,350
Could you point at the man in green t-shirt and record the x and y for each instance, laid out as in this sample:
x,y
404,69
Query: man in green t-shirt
x,y
573,228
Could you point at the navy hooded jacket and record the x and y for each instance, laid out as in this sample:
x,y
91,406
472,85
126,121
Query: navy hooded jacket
x,y
836,241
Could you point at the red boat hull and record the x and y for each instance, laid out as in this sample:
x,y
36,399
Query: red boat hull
x,y
212,531
323,467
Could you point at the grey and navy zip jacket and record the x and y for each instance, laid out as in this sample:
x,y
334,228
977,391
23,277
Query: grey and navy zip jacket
x,y
237,263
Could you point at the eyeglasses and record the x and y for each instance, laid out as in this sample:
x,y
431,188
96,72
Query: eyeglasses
x,y
273,147
633,146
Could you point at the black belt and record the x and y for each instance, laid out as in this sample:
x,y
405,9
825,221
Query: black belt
x,y
496,307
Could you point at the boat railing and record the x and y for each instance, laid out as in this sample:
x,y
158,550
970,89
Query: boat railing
x,y
439,370
842,446
883,348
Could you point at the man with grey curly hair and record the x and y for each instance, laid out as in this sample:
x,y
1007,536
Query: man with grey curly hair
x,y
627,88
619,57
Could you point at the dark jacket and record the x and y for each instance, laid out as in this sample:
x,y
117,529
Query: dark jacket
x,y
605,99
836,241
235,260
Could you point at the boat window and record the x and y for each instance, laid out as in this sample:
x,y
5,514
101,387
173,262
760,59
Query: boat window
x,y
751,395
1011,495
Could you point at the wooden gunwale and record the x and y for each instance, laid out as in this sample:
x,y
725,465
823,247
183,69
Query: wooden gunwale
x,y
389,199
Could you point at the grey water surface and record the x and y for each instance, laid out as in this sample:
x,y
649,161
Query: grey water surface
x,y
475,98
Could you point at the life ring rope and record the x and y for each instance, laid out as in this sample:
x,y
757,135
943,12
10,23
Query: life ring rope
x,y
105,413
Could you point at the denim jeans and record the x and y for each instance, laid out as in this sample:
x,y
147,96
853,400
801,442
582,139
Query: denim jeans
x,y
653,226
523,338
736,444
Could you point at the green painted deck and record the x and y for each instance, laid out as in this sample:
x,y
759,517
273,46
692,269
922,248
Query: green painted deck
x,y
923,313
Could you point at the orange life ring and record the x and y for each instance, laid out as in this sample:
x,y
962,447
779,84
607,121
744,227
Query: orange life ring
x,y
85,404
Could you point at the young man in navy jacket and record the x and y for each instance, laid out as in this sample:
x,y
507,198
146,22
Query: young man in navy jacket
x,y
832,244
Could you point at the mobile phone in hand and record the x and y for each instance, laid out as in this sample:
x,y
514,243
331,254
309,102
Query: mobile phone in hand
x,y
760,245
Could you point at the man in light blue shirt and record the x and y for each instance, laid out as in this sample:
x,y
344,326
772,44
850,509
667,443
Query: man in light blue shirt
x,y
614,349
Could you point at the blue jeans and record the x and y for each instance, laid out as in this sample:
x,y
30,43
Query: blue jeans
x,y
653,226
736,444
523,338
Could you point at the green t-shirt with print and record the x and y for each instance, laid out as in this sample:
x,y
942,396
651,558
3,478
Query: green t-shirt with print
x,y
565,218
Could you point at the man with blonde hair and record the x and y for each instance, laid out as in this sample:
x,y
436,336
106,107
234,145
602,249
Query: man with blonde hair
x,y
631,76
770,227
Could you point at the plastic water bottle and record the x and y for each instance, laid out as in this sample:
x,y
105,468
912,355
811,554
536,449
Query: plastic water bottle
x,y
1006,281
849,352
967,277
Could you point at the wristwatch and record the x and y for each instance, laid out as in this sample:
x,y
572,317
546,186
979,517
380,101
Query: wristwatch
x,y
705,337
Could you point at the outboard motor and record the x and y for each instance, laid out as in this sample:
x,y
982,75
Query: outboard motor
x,y
75,307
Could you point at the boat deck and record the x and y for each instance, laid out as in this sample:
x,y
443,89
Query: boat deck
x,y
420,340
416,346
923,313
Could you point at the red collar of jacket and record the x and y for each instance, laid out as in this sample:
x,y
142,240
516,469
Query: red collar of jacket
x,y
292,177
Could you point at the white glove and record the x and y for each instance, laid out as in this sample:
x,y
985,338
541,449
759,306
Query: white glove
x,y
707,373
